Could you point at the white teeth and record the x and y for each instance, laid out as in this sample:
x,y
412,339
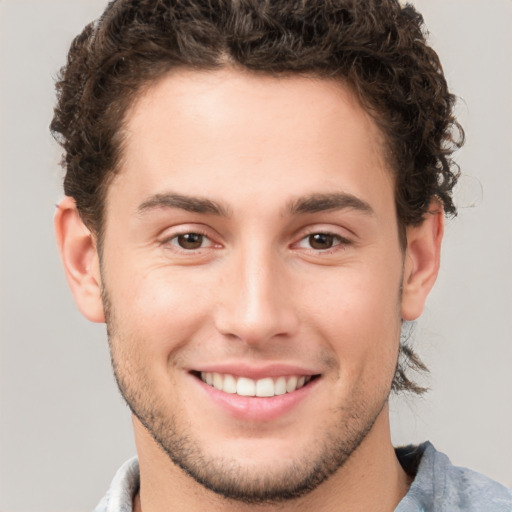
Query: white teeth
x,y
291,384
243,386
265,387
218,381
229,384
280,386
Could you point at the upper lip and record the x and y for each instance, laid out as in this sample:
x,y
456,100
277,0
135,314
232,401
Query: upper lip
x,y
256,372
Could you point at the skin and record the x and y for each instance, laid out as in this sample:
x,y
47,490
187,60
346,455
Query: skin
x,y
256,291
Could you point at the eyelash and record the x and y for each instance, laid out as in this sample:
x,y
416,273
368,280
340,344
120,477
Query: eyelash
x,y
173,240
339,242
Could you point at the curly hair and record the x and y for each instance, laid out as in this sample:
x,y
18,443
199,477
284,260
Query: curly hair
x,y
377,47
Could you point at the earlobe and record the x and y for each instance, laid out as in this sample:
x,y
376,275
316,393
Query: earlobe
x,y
79,256
422,259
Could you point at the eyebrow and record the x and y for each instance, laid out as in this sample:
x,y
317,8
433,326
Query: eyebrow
x,y
187,203
315,203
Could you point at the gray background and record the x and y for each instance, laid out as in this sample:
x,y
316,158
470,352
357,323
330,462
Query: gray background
x,y
63,428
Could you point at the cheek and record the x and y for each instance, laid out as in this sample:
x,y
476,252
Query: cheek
x,y
157,312
358,314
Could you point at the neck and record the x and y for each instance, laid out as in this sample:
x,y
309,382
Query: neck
x,y
371,479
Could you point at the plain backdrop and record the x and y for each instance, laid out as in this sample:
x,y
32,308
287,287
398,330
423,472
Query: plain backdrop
x,y
64,429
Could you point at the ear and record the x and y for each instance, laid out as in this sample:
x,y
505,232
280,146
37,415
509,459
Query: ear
x,y
77,247
422,260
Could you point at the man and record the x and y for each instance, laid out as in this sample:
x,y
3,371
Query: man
x,y
255,194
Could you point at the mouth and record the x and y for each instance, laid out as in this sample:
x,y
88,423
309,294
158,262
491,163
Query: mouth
x,y
266,387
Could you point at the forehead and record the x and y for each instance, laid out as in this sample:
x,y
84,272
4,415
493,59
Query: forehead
x,y
205,131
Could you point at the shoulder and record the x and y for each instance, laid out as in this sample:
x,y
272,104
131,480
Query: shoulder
x,y
123,488
439,485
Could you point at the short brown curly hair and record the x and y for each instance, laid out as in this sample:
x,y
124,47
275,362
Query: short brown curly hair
x,y
377,47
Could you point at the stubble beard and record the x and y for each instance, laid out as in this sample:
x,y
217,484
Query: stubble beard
x,y
226,476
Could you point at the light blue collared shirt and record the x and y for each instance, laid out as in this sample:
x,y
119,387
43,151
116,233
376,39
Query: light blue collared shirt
x,y
438,486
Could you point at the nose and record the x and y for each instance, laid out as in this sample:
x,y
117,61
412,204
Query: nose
x,y
255,303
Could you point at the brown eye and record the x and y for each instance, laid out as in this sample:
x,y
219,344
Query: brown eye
x,y
321,241
190,241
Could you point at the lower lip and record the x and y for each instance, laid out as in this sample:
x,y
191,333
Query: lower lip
x,y
251,408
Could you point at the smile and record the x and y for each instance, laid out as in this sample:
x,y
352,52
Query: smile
x,y
244,386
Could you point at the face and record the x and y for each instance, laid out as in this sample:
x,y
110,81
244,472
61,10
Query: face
x,y
251,275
